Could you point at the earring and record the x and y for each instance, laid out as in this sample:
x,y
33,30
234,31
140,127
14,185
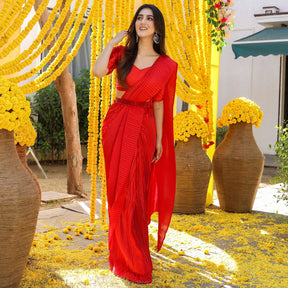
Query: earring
x,y
156,38
137,38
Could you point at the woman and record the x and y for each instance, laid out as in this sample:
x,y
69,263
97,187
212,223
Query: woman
x,y
138,143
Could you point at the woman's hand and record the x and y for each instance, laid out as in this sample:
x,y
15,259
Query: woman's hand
x,y
119,37
158,152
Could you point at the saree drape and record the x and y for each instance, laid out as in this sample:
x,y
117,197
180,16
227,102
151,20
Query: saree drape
x,y
135,187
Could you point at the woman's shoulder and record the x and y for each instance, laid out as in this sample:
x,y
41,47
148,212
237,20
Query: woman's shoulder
x,y
118,50
170,61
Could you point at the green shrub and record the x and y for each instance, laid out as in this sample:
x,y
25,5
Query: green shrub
x,y
220,134
281,149
48,121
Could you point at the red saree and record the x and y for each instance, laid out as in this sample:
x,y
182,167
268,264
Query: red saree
x,y
135,187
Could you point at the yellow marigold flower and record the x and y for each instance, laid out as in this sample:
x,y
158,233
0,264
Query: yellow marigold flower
x,y
270,245
181,253
47,244
206,252
86,282
101,243
90,237
65,230
90,232
97,249
90,247
221,267
15,111
279,259
34,244
86,236
77,233
69,237
58,259
81,231
50,241
69,228
56,237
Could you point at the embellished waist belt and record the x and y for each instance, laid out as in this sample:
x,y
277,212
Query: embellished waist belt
x,y
134,103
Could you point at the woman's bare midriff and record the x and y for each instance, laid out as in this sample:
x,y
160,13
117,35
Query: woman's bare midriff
x,y
119,93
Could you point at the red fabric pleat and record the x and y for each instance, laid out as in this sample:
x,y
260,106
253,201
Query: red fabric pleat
x,y
128,150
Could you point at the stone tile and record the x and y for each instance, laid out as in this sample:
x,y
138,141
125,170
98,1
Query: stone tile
x,y
51,196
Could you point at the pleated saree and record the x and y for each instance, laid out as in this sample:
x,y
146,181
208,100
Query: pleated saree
x,y
135,187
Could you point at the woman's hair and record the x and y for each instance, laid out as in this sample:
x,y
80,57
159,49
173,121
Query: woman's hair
x,y
127,61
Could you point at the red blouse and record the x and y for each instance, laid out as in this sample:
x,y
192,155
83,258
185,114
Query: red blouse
x,y
135,74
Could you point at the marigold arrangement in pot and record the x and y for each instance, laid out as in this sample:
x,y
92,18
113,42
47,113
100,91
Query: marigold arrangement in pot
x,y
238,162
193,166
241,110
20,197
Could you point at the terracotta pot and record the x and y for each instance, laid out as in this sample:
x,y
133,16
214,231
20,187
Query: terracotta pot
x,y
21,151
237,168
193,170
19,208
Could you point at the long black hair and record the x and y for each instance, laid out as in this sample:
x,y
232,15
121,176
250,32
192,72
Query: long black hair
x,y
131,50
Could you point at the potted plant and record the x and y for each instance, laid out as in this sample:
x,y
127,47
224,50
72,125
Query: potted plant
x,y
19,203
238,162
193,166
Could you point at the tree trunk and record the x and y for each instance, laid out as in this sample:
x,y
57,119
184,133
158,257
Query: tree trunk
x,y
66,89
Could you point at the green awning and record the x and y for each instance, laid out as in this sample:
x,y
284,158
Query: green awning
x,y
268,41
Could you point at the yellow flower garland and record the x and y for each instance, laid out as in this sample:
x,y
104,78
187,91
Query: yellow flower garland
x,y
16,64
12,13
188,27
241,110
21,15
189,123
115,20
14,113
51,74
15,43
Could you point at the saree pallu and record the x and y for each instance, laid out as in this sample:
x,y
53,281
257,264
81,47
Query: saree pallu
x,y
129,138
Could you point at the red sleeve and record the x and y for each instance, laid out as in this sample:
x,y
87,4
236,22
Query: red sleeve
x,y
115,57
160,96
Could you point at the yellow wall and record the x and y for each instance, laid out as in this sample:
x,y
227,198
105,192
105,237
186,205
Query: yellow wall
x,y
215,63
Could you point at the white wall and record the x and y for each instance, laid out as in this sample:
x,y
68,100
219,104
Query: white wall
x,y
256,78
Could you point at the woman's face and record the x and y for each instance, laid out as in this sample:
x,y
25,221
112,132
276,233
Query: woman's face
x,y
144,24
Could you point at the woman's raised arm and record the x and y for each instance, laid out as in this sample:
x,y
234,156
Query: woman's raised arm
x,y
100,67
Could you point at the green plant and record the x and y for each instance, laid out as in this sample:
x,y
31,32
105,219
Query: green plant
x,y
220,134
281,149
48,121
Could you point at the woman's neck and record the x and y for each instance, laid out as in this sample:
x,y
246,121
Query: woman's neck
x,y
145,48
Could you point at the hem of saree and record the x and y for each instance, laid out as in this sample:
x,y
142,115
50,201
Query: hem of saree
x,y
127,274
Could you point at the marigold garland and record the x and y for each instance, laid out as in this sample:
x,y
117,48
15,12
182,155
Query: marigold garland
x,y
188,27
17,64
115,19
241,110
15,112
21,15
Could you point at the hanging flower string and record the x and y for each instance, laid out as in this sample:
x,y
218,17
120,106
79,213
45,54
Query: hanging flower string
x,y
220,16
